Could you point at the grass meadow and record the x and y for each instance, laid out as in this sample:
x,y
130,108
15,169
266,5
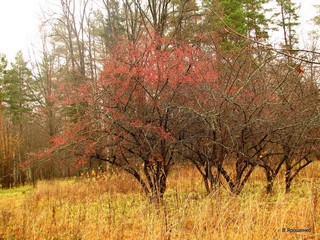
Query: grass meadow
x,y
114,207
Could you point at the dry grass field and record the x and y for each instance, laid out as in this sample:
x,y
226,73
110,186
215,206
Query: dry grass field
x,y
115,208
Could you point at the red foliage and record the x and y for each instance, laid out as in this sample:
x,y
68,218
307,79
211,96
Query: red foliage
x,y
58,140
166,135
130,101
299,69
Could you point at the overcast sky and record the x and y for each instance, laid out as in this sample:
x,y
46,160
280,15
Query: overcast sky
x,y
19,21
19,24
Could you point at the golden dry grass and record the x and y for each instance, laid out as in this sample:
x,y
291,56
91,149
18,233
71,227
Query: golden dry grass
x,y
115,208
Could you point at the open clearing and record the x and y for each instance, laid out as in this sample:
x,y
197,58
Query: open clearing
x,y
115,208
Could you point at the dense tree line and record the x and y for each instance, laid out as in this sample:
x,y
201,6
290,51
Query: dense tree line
x,y
143,85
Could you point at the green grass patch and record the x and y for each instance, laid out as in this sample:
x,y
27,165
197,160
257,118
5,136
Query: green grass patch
x,y
14,192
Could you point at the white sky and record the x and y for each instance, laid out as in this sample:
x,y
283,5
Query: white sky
x,y
19,24
19,21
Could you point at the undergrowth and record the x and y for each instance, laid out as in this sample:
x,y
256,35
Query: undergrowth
x,y
114,207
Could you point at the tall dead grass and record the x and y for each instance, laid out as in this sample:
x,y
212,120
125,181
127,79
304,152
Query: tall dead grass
x,y
115,208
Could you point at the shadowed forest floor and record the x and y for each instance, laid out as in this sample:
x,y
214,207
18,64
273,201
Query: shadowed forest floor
x,y
115,208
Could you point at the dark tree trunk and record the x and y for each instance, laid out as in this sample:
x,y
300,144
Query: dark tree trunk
x,y
158,189
288,184
269,186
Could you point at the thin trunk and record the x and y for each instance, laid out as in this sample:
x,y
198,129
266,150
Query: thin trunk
x,y
288,184
270,180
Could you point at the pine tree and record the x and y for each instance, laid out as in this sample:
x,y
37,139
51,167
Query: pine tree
x,y
235,22
17,98
3,65
17,85
289,20
257,24
184,20
110,24
234,17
